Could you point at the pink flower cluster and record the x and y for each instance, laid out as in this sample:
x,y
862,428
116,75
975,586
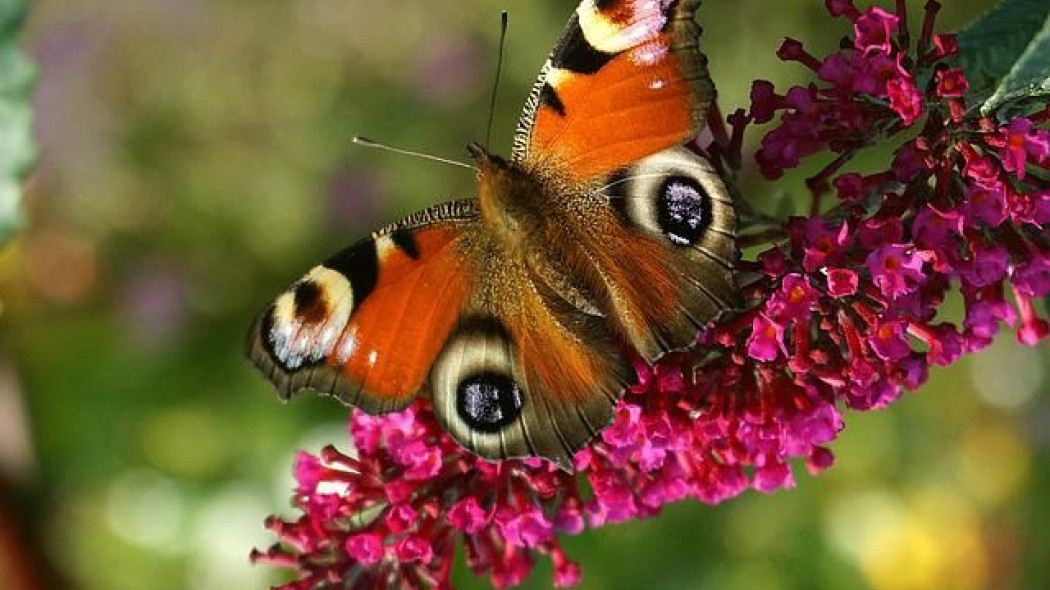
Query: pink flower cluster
x,y
846,312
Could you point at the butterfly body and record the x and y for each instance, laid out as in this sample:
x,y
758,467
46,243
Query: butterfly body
x,y
513,311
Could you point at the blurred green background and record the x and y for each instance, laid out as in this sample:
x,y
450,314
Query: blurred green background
x,y
196,158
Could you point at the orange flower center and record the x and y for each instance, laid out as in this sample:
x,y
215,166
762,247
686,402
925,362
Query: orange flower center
x,y
885,332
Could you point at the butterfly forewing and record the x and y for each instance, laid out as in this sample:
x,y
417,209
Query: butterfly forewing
x,y
626,80
366,324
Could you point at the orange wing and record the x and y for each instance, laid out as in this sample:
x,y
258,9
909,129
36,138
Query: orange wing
x,y
626,80
366,324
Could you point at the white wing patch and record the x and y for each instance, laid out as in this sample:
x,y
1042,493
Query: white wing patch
x,y
299,335
646,21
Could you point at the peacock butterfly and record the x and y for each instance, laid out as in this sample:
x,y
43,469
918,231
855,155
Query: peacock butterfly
x,y
509,310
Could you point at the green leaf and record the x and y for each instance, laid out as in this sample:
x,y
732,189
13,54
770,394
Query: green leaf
x,y
990,46
1006,54
17,151
1029,78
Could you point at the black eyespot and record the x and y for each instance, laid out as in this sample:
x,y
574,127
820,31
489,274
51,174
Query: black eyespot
x,y
684,210
488,401
310,306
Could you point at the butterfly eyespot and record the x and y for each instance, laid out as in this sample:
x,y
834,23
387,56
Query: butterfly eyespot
x,y
310,304
488,401
683,210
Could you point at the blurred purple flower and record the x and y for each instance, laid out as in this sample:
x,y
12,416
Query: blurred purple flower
x,y
154,304
352,197
451,70
68,54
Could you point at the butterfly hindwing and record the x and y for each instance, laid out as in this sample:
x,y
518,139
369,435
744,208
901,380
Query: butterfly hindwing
x,y
626,80
653,252
366,324
677,223
526,373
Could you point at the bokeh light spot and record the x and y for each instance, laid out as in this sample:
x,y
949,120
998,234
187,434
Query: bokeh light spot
x,y
1006,375
992,464
928,541
146,508
222,529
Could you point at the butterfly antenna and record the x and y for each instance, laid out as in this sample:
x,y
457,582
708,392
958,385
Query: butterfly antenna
x,y
369,143
499,71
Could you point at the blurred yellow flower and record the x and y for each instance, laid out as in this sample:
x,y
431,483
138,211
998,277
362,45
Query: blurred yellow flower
x,y
928,539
